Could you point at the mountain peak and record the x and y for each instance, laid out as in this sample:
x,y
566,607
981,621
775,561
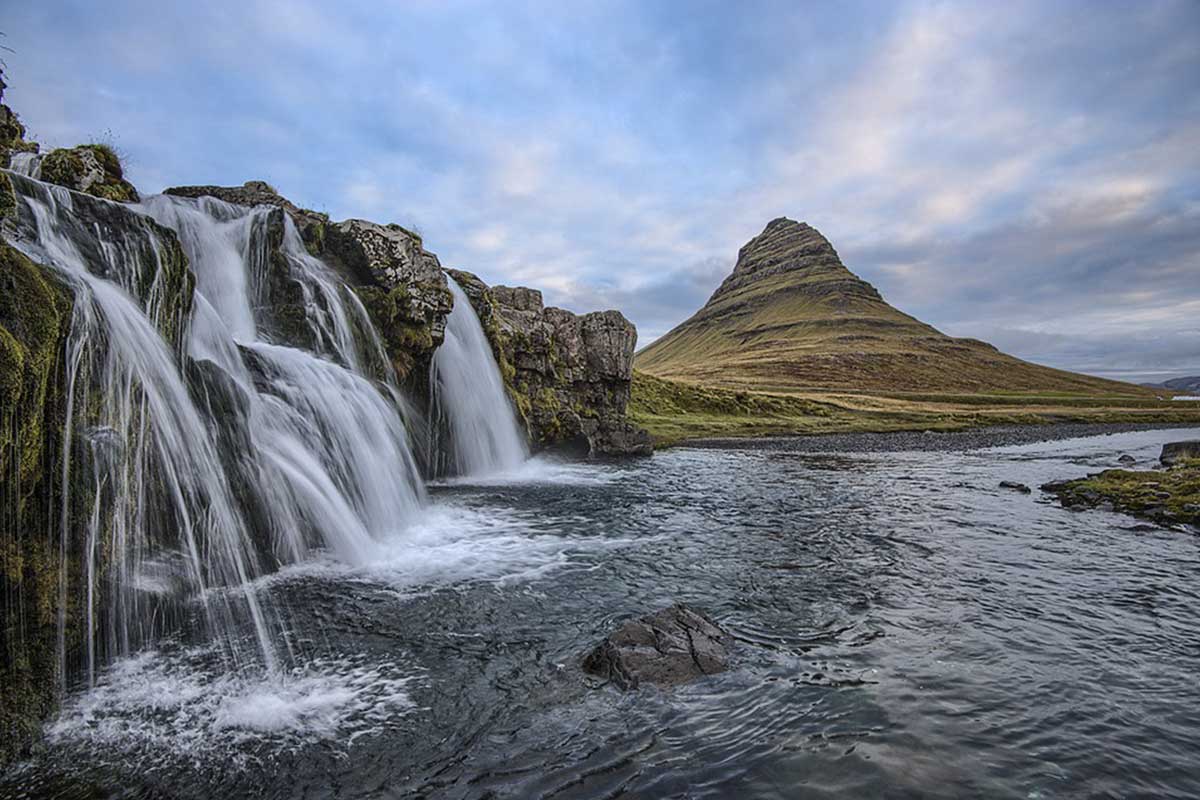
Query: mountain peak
x,y
792,316
784,246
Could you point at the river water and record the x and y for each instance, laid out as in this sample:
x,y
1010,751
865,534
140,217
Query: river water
x,y
904,628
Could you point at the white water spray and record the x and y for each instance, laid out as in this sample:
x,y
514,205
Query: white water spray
x,y
195,467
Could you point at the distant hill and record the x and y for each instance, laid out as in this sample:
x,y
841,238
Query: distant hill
x,y
791,316
1189,384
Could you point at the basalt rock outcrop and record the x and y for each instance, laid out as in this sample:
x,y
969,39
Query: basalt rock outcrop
x,y
569,375
669,647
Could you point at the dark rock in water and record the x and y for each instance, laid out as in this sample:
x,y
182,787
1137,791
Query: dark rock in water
x,y
1016,487
1174,452
1127,459
666,648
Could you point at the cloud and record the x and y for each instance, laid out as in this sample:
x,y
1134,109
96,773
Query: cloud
x,y
1029,173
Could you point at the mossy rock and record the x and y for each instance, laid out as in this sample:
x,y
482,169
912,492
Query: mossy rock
x,y
408,338
93,169
35,315
8,198
1168,497
34,319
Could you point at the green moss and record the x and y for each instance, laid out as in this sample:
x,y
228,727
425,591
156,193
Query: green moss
x,y
1170,496
34,321
314,237
69,166
8,198
33,310
408,339
62,166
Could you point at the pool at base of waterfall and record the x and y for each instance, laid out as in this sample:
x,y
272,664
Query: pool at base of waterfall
x,y
902,627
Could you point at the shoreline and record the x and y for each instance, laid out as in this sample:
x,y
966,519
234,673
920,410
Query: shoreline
x,y
927,441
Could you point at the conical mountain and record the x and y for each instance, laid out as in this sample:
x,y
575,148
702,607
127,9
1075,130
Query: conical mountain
x,y
791,316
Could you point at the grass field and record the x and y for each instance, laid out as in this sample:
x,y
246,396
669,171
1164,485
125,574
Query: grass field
x,y
674,411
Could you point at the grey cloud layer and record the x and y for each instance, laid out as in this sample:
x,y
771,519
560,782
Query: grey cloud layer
x,y
1024,172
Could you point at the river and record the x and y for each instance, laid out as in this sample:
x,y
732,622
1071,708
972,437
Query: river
x,y
903,628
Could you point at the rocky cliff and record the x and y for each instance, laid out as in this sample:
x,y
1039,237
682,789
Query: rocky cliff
x,y
35,314
569,375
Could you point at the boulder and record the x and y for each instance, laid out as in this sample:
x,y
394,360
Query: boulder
x,y
669,647
1174,452
1016,487
90,168
1126,459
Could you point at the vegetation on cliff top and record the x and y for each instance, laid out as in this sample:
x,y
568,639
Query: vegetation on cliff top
x,y
91,168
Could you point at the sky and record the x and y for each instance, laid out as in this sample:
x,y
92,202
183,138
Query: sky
x,y
1027,173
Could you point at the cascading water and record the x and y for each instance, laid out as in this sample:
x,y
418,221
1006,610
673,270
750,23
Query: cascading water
x,y
202,450
27,164
469,400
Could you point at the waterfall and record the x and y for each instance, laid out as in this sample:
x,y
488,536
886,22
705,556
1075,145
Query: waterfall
x,y
469,399
201,452
27,164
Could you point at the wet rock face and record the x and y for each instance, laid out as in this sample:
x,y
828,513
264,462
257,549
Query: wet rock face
x,y
569,375
1174,452
394,259
310,224
400,283
669,647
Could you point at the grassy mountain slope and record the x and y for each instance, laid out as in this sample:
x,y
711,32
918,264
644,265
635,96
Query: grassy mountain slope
x,y
791,318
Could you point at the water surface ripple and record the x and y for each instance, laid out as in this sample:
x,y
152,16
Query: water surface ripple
x,y
905,629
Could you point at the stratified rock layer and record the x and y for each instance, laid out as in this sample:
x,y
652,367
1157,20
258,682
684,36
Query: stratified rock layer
x,y
666,648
